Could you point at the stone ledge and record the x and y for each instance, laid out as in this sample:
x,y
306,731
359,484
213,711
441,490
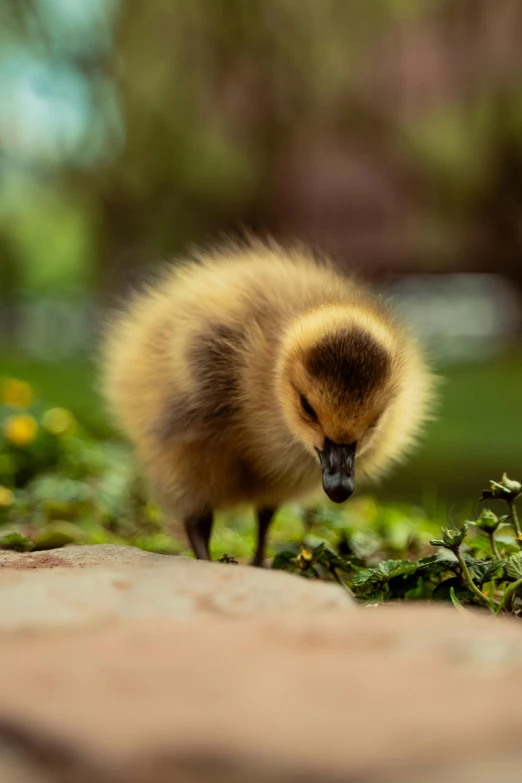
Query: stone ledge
x,y
76,585
124,667
374,696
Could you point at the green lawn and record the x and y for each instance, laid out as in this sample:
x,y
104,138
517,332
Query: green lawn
x,y
477,435
71,384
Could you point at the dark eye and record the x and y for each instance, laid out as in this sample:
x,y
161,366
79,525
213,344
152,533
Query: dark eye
x,y
307,408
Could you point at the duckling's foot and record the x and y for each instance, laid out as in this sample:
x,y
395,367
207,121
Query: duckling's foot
x,y
198,531
264,518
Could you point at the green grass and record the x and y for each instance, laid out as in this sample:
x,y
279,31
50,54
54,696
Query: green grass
x,y
477,434
71,384
481,410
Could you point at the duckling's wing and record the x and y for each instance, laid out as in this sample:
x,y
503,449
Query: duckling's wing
x,y
213,358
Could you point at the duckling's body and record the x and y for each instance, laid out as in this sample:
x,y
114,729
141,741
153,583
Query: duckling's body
x,y
231,377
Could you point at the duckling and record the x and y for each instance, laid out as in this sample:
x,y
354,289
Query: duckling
x,y
254,375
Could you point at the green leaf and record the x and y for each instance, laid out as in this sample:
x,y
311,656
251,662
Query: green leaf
x,y
387,569
16,542
422,591
377,596
326,557
364,544
480,545
285,561
485,570
391,569
514,566
455,601
443,591
58,534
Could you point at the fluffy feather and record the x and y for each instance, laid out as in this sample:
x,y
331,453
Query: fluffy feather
x,y
206,370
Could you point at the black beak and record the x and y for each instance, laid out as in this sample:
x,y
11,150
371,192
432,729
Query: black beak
x,y
338,466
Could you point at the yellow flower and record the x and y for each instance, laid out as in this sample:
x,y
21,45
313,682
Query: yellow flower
x,y
59,421
16,393
21,429
6,496
304,558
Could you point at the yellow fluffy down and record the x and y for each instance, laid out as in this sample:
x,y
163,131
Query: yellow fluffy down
x,y
192,373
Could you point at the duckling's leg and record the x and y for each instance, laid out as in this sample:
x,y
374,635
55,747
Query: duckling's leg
x,y
264,518
198,531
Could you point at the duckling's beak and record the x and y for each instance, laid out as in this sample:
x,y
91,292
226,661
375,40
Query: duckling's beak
x,y
338,466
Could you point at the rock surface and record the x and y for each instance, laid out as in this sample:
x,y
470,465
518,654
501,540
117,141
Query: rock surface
x,y
124,667
79,585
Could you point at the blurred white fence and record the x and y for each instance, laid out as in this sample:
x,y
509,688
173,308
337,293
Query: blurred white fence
x,y
461,317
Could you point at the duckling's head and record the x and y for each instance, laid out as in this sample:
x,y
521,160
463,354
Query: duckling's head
x,y
337,375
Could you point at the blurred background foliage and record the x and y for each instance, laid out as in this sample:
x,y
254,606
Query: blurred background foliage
x,y
388,134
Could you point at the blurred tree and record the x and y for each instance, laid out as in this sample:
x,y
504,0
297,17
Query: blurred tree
x,y
372,129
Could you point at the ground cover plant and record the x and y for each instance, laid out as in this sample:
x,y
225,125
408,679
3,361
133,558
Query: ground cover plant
x,y
484,569
59,484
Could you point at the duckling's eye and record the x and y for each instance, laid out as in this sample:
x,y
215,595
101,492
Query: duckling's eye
x,y
307,408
